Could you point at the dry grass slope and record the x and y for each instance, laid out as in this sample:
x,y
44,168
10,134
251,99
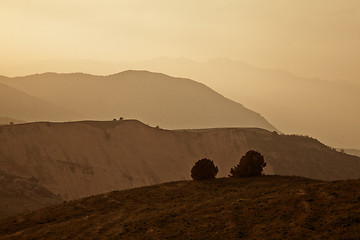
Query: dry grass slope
x,y
269,207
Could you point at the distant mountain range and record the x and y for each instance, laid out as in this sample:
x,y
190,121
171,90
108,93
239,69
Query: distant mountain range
x,y
15,104
154,98
327,110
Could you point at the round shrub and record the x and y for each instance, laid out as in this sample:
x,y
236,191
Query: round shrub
x,y
204,169
250,165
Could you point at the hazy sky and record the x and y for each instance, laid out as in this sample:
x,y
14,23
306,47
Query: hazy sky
x,y
307,37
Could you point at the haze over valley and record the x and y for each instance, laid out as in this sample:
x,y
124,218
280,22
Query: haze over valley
x,y
160,119
294,104
154,98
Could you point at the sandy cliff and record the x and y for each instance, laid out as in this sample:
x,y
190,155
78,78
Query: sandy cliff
x,y
84,158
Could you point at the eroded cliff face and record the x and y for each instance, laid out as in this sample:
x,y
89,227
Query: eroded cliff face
x,y
80,159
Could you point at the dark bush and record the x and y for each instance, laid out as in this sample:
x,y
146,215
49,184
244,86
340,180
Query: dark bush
x,y
204,169
250,165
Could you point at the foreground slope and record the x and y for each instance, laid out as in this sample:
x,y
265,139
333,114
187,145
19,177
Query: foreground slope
x,y
251,208
79,159
154,98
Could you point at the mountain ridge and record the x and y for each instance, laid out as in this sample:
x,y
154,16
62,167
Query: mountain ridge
x,y
155,98
20,105
274,93
78,159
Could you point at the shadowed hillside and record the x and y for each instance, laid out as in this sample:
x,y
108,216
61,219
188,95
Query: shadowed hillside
x,y
270,207
80,159
18,195
154,98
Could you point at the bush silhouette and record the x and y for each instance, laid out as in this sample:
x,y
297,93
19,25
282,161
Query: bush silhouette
x,y
250,165
204,169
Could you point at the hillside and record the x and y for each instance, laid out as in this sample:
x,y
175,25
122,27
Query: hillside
x,y
19,105
79,159
18,195
323,108
270,207
154,98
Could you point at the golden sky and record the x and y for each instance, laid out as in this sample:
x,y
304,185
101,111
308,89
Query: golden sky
x,y
311,38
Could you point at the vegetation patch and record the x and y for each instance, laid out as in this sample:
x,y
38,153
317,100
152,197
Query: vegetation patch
x,y
265,207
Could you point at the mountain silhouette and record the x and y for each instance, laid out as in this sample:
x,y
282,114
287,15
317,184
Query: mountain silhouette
x,y
326,110
154,98
15,104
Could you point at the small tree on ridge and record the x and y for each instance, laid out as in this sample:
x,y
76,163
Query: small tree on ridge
x,y
204,169
250,165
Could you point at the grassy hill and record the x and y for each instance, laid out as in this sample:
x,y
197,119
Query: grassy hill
x,y
271,207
